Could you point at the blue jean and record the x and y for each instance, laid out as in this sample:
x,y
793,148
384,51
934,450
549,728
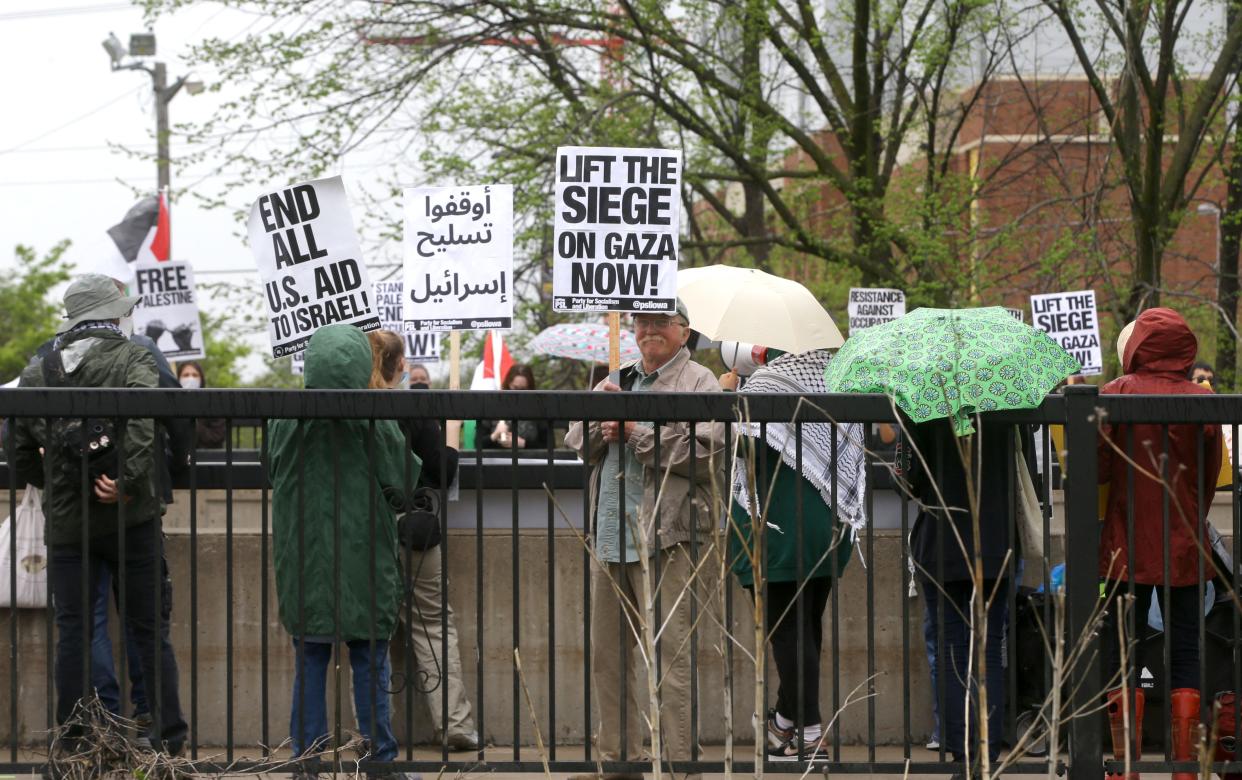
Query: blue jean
x,y
929,638
310,696
103,670
954,666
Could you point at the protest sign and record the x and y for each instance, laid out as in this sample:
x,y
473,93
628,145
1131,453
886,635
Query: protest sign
x,y
1069,318
618,213
874,306
1017,314
423,347
310,263
299,363
459,258
167,309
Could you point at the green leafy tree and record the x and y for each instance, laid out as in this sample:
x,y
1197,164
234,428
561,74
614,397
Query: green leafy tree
x,y
761,95
29,314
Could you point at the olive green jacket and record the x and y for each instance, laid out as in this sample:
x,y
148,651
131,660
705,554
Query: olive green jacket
x,y
92,358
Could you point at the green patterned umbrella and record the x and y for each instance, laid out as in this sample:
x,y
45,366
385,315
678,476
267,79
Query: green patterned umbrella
x,y
951,363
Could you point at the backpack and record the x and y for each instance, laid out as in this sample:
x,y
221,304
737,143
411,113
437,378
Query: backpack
x,y
79,442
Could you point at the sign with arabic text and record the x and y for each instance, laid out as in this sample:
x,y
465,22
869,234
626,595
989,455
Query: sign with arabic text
x,y
459,258
617,222
310,263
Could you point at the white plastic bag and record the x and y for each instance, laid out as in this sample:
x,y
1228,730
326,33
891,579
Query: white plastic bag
x,y
31,555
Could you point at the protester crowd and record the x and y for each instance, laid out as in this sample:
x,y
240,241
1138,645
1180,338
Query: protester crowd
x,y
341,558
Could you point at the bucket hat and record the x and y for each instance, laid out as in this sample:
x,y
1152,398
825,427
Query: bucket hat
x,y
94,297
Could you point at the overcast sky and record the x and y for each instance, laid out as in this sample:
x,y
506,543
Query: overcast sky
x,y
59,178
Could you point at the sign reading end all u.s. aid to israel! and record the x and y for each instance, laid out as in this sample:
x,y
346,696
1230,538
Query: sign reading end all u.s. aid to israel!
x,y
617,220
310,263
458,258
1070,319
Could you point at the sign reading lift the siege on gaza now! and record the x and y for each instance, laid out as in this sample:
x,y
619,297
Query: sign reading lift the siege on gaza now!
x,y
459,258
310,263
618,214
1069,318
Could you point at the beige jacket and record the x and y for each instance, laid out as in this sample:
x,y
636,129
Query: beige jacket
x,y
711,491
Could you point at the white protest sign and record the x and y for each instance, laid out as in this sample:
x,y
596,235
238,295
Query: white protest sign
x,y
874,306
299,363
1069,318
459,257
423,346
618,213
1017,314
167,309
310,263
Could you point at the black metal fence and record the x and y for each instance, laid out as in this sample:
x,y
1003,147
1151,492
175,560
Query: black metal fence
x,y
521,564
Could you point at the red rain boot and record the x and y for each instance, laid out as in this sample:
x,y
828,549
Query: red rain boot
x,y
1116,720
1226,720
1185,728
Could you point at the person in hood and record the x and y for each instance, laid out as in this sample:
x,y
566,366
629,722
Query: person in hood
x,y
1157,359
336,488
83,531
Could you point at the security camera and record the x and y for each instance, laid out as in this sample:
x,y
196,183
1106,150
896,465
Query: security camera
x,y
115,49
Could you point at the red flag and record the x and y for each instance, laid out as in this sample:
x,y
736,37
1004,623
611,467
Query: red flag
x,y
496,358
163,234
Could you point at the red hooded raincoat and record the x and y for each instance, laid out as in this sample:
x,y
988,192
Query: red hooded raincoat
x,y
1157,359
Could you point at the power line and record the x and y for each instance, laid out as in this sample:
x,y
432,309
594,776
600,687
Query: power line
x,y
73,121
82,9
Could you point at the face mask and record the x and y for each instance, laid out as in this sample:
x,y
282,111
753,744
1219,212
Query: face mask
x,y
419,386
127,326
191,383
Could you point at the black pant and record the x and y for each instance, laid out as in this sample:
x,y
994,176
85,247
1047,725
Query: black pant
x,y
143,556
1183,630
782,612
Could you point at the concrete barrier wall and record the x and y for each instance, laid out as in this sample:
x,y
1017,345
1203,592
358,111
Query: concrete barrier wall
x,y
897,625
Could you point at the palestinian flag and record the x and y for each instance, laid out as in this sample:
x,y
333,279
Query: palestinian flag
x,y
495,365
143,236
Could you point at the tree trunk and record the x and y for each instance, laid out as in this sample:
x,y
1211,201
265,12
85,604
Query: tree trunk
x,y
1230,229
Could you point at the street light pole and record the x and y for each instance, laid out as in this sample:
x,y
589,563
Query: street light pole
x,y
144,45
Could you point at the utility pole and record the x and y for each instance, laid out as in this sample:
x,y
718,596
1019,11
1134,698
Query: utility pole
x,y
143,45
159,77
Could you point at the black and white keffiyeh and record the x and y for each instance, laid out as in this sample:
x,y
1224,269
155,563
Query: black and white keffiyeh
x,y
804,373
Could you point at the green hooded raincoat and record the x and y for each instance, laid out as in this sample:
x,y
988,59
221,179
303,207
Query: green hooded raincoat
x,y
322,470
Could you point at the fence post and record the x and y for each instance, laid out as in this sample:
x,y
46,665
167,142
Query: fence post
x,y
1082,581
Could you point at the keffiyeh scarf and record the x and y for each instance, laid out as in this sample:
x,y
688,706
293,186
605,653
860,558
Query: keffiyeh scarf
x,y
803,373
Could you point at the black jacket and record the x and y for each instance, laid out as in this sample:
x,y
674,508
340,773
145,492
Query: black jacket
x,y
992,452
427,442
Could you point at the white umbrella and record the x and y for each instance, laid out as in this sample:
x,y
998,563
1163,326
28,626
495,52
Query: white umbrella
x,y
727,303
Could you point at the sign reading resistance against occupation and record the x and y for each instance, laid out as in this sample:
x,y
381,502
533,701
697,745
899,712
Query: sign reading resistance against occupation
x,y
459,258
167,309
1069,318
618,212
874,306
422,347
310,263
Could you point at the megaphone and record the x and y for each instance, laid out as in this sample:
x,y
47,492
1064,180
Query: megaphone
x,y
746,359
